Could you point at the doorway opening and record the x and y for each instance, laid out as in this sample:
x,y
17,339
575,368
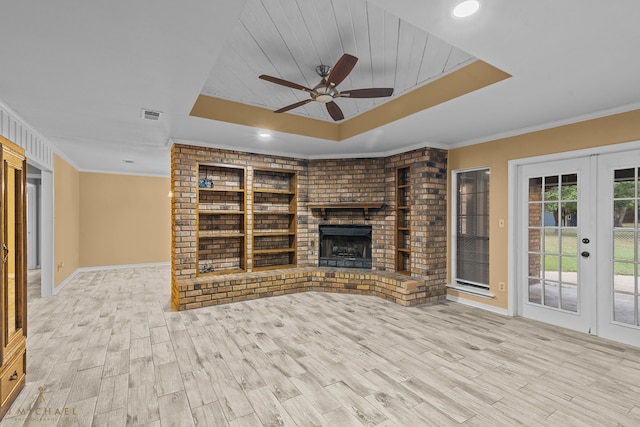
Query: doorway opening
x,y
34,235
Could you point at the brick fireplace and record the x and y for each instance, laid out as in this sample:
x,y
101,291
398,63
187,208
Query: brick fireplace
x,y
332,193
345,246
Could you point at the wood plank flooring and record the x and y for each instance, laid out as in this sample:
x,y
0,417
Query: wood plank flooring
x,y
107,351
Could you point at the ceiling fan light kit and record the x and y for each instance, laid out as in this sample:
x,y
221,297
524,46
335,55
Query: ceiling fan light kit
x,y
325,92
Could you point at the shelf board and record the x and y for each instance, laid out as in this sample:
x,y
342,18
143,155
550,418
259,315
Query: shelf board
x,y
220,212
273,267
273,233
272,251
404,250
218,235
222,190
324,207
404,186
274,191
403,208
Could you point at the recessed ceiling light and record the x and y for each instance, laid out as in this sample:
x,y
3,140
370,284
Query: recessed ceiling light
x,y
264,135
466,8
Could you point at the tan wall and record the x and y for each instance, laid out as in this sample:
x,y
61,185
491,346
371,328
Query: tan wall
x,y
66,220
124,219
609,130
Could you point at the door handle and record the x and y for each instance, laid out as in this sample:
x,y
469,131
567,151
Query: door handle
x,y
585,254
6,253
14,376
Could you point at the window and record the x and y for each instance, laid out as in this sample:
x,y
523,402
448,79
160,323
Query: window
x,y
471,238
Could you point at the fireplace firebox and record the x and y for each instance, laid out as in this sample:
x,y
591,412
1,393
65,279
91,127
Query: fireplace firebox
x,y
345,246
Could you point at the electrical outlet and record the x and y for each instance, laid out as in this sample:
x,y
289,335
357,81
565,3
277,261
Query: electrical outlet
x,y
501,286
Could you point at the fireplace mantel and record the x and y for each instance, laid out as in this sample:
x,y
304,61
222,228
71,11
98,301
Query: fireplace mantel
x,y
324,207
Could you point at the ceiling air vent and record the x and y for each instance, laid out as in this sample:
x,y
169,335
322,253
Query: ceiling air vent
x,y
150,114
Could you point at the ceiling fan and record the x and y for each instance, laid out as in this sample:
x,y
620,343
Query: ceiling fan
x,y
325,92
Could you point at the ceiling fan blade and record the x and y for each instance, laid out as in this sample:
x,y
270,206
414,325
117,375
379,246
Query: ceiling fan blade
x,y
334,111
341,70
284,83
292,106
374,92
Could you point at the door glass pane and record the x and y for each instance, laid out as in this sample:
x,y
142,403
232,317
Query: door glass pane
x,y
569,297
553,250
623,308
623,276
535,265
551,188
551,294
568,214
623,213
569,270
535,189
551,267
551,244
535,290
624,195
535,235
569,241
625,246
535,214
9,249
569,187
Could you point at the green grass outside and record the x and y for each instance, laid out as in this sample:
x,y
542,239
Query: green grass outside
x,y
624,250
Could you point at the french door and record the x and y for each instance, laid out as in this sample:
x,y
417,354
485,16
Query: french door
x,y
564,277
618,217
556,274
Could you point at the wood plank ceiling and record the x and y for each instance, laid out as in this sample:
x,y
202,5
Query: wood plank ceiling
x,y
290,38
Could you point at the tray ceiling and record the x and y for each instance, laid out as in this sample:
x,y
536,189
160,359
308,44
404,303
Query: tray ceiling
x,y
290,38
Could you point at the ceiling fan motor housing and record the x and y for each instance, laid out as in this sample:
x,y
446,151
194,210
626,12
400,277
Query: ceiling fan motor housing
x,y
323,94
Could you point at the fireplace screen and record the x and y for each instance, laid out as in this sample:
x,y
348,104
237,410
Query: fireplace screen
x,y
345,246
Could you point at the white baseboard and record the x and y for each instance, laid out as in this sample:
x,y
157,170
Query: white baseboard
x,y
476,304
117,267
64,283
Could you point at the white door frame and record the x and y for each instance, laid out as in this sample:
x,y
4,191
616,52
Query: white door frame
x,y
513,187
46,228
33,239
584,318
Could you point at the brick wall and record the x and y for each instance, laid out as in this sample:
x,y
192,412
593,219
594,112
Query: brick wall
x,y
428,210
351,180
325,181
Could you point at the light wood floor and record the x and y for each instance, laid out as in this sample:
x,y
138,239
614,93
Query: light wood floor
x,y
33,284
109,350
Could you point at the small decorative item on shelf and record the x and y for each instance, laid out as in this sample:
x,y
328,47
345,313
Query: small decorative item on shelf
x,y
205,183
207,269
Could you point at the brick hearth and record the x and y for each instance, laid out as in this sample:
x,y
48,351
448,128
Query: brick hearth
x,y
328,181
398,288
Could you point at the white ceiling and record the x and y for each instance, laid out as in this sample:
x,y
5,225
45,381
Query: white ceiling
x,y
79,72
